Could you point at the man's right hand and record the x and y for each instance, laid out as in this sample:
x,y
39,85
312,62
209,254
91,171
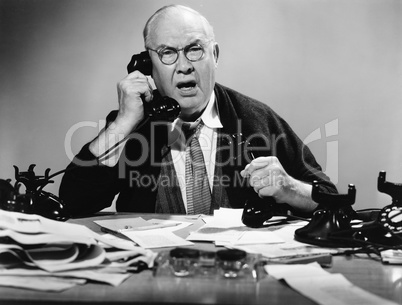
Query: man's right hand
x,y
132,91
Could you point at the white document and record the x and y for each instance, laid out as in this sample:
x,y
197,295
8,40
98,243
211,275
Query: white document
x,y
217,235
260,236
289,248
158,238
323,287
284,272
278,251
119,224
153,233
225,228
32,223
225,218
171,225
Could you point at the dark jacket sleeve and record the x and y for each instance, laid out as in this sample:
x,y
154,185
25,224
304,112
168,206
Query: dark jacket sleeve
x,y
296,157
271,135
88,186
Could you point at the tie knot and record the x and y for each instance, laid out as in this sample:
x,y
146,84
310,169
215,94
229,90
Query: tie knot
x,y
191,130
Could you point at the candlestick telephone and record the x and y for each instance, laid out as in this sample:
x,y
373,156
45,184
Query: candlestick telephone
x,y
161,108
35,200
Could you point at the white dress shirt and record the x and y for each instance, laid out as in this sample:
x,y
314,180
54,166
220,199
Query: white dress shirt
x,y
208,142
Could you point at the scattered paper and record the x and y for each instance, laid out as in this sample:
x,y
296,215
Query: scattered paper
x,y
289,248
227,229
217,235
258,237
177,225
148,234
158,238
32,223
283,272
323,287
119,224
43,254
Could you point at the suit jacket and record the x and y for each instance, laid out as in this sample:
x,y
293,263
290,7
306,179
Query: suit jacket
x,y
88,187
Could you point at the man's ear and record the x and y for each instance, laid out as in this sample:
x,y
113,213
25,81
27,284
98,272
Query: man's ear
x,y
216,53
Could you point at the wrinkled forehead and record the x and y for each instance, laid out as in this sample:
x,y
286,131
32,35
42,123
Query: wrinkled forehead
x,y
178,28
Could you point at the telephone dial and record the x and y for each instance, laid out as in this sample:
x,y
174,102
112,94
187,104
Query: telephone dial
x,y
161,108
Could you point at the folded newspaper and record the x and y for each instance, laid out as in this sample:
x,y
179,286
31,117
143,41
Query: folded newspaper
x,y
43,254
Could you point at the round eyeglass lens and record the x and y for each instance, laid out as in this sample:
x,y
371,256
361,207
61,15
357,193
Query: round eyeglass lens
x,y
168,56
194,52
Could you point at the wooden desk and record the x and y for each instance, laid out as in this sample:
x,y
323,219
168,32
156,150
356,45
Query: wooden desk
x,y
143,288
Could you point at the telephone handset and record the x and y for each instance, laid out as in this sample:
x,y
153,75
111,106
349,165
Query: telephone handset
x,y
161,108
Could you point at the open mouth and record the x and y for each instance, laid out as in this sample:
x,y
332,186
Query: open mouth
x,y
186,85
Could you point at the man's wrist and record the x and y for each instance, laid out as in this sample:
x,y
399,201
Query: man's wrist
x,y
298,195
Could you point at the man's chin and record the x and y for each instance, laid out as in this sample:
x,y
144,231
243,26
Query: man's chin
x,y
191,111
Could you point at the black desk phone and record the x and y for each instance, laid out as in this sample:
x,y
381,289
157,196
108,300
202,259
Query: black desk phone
x,y
35,200
162,108
336,224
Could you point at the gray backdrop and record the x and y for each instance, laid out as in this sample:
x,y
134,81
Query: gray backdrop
x,y
331,68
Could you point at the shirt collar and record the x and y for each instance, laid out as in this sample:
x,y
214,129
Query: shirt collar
x,y
210,117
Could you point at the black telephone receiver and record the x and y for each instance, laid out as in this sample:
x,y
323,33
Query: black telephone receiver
x,y
161,108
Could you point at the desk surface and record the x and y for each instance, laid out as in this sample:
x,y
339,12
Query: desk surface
x,y
144,288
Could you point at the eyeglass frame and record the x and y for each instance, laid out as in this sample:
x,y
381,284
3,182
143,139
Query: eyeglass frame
x,y
184,49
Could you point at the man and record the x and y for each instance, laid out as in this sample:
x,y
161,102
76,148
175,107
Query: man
x,y
144,161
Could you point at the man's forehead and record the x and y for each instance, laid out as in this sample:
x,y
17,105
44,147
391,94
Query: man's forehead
x,y
179,27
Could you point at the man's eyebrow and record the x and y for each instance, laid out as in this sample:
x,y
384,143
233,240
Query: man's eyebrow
x,y
201,40
161,47
194,41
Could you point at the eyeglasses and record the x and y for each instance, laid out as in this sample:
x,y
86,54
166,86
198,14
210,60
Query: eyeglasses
x,y
169,55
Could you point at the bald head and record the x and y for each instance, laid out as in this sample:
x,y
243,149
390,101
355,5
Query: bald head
x,y
180,13
189,78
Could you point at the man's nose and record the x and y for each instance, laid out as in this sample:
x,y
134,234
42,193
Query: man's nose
x,y
183,64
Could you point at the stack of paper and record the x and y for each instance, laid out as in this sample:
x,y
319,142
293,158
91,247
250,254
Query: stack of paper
x,y
54,256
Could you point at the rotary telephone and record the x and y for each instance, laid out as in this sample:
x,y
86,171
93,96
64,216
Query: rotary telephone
x,y
161,108
336,224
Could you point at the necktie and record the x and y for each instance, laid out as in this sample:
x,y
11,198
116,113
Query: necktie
x,y
198,192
